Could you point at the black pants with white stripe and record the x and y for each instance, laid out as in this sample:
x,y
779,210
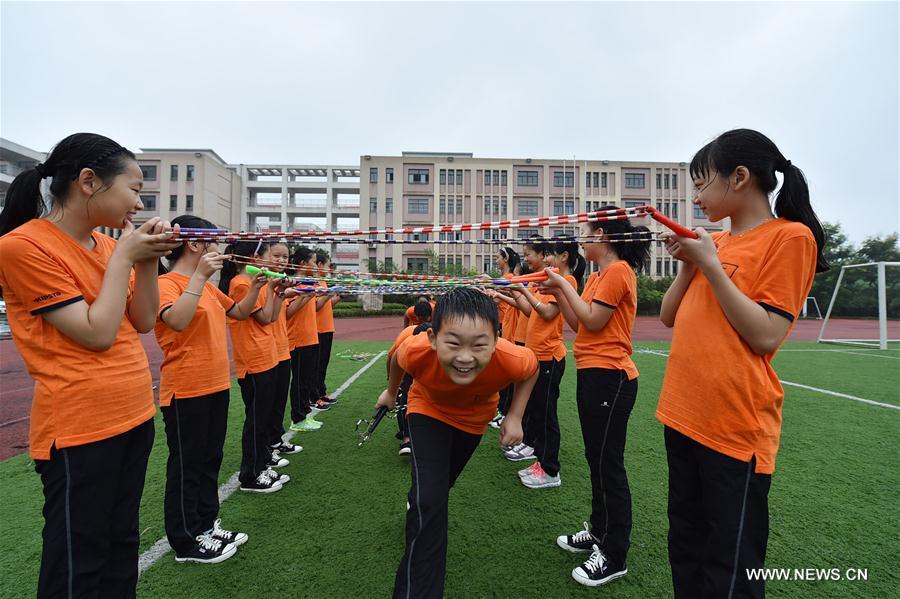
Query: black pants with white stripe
x,y
258,393
325,342
304,370
91,536
718,521
439,454
541,420
605,399
282,389
195,434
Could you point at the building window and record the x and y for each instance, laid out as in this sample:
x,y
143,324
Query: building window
x,y
602,179
389,265
666,209
417,205
558,177
373,175
528,207
561,207
527,178
418,176
502,177
528,233
190,172
658,181
173,172
459,177
675,210
373,204
698,213
659,267
503,207
487,177
149,172
667,267
597,180
149,201
674,181
189,203
389,205
173,203
417,264
459,205
487,206
452,177
443,177
496,177
373,264
634,180
388,178
634,203
666,179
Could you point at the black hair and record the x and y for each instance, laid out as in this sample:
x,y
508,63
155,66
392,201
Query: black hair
x,y
760,155
322,256
247,249
102,155
186,221
302,255
511,256
422,310
576,262
423,296
635,253
421,328
536,244
465,302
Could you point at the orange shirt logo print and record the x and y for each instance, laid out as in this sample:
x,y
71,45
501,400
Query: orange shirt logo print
x,y
44,298
729,268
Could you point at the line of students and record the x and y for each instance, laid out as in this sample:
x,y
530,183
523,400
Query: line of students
x,y
732,304
77,300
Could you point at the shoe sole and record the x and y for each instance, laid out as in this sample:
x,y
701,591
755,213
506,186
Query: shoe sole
x,y
291,452
518,458
271,489
542,485
404,452
216,560
596,583
278,465
561,541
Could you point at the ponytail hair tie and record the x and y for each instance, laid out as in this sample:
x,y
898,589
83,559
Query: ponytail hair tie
x,y
42,170
785,166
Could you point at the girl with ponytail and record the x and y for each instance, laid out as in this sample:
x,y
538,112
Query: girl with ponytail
x,y
603,317
507,261
75,316
732,304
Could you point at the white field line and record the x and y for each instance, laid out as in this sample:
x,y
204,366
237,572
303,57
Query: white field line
x,y
807,387
161,547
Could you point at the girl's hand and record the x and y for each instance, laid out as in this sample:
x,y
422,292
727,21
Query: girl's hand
x,y
511,431
260,281
701,252
385,400
151,241
209,264
554,279
554,291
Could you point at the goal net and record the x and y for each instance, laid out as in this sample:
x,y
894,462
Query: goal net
x,y
882,340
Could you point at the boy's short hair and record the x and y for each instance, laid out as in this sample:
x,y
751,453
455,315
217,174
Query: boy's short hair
x,y
465,302
422,310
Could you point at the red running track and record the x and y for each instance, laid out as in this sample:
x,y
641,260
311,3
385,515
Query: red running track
x,y
16,386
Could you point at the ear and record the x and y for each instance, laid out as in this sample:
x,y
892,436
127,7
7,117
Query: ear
x,y
741,178
87,182
432,339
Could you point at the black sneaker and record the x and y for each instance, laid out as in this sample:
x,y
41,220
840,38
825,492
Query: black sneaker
x,y
328,400
226,536
207,551
262,484
277,476
276,461
284,447
405,449
598,569
581,542
318,406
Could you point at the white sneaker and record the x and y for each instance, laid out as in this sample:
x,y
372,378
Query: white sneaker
x,y
262,484
527,471
519,453
496,421
208,550
539,479
580,542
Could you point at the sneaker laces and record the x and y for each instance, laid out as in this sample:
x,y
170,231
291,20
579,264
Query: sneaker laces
x,y
596,562
218,531
264,477
583,535
538,472
209,543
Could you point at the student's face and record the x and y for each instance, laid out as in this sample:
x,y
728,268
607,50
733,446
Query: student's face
x,y
551,260
464,347
118,203
501,262
593,251
711,195
278,253
534,259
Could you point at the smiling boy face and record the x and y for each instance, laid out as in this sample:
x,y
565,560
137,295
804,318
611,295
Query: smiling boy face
x,y
464,346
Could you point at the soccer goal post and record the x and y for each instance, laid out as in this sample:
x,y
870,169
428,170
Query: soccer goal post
x,y
882,341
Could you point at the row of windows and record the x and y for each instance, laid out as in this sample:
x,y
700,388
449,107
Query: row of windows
x,y
150,172
149,202
388,205
451,177
563,179
598,179
499,207
634,180
388,175
495,177
662,181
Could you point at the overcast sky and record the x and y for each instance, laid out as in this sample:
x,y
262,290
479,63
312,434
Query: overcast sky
x,y
325,83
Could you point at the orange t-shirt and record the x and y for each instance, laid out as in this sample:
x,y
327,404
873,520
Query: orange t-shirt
x,y
545,337
195,360
80,396
325,315
411,314
717,391
253,343
521,327
468,408
403,336
508,316
279,329
610,347
302,329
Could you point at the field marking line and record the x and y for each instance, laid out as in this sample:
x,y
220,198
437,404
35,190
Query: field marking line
x,y
807,387
162,547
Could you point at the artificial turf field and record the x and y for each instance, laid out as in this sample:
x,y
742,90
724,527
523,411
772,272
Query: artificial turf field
x,y
336,530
